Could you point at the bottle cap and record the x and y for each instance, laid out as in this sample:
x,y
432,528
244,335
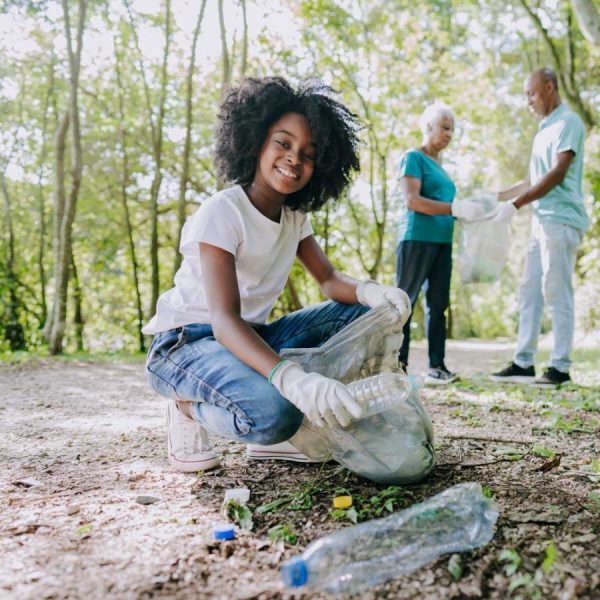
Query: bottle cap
x,y
224,531
294,572
342,502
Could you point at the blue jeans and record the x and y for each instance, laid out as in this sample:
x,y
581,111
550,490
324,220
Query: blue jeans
x,y
547,279
230,398
427,265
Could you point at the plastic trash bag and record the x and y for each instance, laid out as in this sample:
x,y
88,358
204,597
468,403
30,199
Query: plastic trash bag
x,y
393,443
483,244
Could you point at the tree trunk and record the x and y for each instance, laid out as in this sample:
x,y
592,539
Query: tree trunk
x,y
125,201
295,303
77,306
225,62
187,147
157,140
588,18
377,168
14,333
244,41
58,205
63,257
42,200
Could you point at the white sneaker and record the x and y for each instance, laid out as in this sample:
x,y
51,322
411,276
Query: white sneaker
x,y
282,451
187,443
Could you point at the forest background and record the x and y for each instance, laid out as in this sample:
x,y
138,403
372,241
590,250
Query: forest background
x,y
107,112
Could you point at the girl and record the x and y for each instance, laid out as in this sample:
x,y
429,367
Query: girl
x,y
287,151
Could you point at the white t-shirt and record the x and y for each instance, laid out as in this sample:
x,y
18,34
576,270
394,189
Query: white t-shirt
x,y
264,253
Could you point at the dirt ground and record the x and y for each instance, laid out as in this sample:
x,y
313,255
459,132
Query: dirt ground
x,y
82,446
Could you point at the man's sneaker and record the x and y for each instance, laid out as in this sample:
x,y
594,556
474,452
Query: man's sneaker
x,y
440,376
187,443
282,451
552,377
515,374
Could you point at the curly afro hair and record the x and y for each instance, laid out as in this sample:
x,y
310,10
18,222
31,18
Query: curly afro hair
x,y
248,110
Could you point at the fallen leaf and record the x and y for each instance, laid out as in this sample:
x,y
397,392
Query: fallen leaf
x,y
549,465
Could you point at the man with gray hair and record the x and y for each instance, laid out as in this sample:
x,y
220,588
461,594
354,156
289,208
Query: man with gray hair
x,y
559,221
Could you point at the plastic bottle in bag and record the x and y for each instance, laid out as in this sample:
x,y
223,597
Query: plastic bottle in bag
x,y
382,392
364,555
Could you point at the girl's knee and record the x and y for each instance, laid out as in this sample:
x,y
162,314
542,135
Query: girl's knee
x,y
276,428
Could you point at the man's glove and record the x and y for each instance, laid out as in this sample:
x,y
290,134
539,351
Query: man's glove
x,y
321,399
505,213
469,211
372,294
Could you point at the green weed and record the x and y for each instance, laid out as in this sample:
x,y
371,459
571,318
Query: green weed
x,y
284,532
543,452
239,514
381,504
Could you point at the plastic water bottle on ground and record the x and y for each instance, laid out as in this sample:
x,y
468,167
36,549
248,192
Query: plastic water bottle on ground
x,y
364,555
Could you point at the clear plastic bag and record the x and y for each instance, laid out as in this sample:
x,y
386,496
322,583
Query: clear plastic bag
x,y
483,244
367,346
393,442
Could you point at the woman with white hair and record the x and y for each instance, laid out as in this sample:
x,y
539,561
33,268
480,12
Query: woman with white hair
x,y
424,254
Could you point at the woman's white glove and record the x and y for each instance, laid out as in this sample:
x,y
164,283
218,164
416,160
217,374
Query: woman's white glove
x,y
321,399
505,213
372,294
469,211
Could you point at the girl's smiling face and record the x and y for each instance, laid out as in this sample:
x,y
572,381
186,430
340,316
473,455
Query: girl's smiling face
x,y
286,159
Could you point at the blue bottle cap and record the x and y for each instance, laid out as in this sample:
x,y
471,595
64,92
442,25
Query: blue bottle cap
x,y
224,531
294,572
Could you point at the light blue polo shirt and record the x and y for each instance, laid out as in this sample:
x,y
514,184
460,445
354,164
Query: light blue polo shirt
x,y
435,185
560,131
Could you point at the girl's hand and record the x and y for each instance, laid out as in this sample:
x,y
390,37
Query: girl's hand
x,y
371,294
322,399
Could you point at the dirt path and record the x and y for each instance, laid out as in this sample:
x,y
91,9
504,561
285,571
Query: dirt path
x,y
82,442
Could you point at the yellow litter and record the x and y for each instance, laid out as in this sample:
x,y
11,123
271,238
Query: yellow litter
x,y
342,502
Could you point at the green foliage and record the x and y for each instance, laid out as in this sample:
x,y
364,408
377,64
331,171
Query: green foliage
x,y
384,502
238,513
455,567
471,55
543,452
511,560
284,532
301,499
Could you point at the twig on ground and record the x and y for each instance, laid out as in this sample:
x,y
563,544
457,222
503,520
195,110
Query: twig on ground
x,y
31,498
483,438
489,462
581,474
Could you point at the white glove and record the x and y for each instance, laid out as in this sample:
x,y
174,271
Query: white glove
x,y
469,211
372,294
506,212
321,399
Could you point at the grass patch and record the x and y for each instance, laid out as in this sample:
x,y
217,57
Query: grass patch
x,y
22,357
